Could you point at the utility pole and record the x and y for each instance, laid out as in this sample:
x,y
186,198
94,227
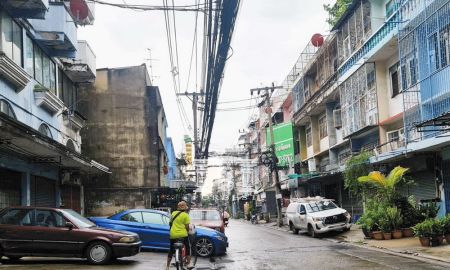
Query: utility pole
x,y
195,96
267,91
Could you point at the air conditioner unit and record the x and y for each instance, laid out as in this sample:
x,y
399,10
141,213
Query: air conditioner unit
x,y
337,118
312,165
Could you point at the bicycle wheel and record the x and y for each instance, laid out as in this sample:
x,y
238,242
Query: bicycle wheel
x,y
178,259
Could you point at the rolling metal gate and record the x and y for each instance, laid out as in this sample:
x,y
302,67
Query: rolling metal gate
x,y
43,192
70,197
9,188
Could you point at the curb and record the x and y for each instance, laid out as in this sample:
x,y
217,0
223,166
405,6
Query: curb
x,y
416,256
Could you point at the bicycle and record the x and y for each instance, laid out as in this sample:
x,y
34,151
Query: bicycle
x,y
180,256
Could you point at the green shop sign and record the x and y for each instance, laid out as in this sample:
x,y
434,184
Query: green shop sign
x,y
284,143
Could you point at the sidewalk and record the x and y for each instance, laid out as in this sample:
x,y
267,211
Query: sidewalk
x,y
408,246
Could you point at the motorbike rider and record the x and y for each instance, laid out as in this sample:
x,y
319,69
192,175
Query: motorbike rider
x,y
179,229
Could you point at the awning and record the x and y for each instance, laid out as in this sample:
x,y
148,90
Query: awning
x,y
431,125
27,143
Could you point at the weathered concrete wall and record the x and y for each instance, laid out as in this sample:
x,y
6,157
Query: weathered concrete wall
x,y
121,133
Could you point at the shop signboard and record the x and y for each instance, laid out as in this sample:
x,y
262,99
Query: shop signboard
x,y
284,143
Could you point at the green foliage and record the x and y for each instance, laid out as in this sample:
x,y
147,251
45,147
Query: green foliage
x,y
409,210
356,166
384,185
428,210
394,217
336,11
446,224
430,227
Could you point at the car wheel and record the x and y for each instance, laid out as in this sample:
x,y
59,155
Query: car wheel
x,y
311,231
292,228
14,258
204,247
98,253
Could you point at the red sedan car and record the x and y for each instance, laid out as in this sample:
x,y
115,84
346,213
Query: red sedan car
x,y
50,232
210,218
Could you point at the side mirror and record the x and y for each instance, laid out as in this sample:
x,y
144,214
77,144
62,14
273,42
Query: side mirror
x,y
69,225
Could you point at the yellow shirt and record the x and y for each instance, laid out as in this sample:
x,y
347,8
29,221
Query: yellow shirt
x,y
178,229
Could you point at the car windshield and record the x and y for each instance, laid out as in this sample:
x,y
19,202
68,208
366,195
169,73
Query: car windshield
x,y
320,206
78,219
204,215
196,215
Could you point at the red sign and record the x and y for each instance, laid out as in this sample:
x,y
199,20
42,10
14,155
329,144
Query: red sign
x,y
79,9
317,40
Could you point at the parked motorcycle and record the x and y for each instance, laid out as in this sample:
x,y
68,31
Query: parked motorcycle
x,y
254,219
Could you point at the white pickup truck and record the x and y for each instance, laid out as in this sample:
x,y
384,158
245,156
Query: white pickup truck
x,y
316,215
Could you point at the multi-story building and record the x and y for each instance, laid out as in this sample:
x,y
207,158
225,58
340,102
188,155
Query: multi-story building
x,y
378,83
42,67
126,131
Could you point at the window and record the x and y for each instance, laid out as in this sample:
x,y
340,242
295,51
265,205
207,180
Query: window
x,y
393,72
132,217
45,130
395,135
444,37
302,209
70,145
153,218
44,70
390,8
412,71
6,109
29,56
37,64
11,42
68,92
20,217
433,49
46,218
404,74
308,135
323,130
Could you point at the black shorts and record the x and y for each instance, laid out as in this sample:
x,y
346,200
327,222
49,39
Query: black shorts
x,y
187,246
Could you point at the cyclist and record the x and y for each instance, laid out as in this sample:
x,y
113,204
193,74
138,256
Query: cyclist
x,y
179,229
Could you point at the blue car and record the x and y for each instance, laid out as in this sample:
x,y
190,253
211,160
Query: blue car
x,y
153,229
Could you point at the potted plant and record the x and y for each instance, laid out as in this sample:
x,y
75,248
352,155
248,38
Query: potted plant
x,y
446,228
437,235
423,230
410,214
386,228
395,218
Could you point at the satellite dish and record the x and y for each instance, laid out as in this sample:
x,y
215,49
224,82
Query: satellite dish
x,y
79,9
317,40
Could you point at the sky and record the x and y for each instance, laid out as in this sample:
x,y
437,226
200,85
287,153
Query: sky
x,y
268,38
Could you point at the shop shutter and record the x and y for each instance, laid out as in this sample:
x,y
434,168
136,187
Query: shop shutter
x,y
424,187
9,188
70,197
43,193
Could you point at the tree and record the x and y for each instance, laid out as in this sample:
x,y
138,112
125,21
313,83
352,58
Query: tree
x,y
336,11
356,166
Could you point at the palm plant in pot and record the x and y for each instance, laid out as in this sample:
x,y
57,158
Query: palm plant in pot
x,y
395,218
386,228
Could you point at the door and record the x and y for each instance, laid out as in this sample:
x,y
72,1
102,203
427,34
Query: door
x,y
71,198
132,222
53,237
302,217
16,231
158,229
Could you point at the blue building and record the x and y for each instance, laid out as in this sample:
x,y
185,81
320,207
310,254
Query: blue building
x,y
42,67
172,173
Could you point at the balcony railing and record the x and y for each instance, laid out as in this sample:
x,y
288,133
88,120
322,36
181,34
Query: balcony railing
x,y
390,146
30,9
57,32
82,68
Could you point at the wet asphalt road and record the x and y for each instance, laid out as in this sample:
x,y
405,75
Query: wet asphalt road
x,y
252,247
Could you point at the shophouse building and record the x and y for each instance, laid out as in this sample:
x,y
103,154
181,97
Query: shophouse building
x,y
42,68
